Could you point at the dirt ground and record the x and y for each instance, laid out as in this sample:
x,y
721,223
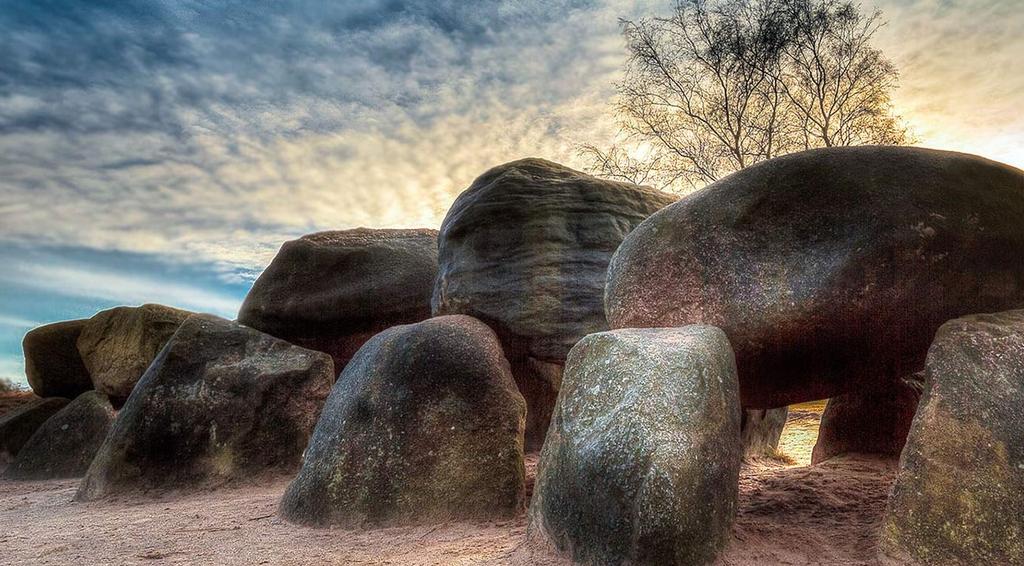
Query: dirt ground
x,y
789,514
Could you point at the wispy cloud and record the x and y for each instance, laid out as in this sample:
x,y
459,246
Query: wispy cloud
x,y
88,282
17,322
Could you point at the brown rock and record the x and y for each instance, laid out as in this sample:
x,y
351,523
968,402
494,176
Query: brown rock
x,y
52,363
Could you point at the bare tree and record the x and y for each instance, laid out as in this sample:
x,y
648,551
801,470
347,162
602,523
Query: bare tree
x,y
723,84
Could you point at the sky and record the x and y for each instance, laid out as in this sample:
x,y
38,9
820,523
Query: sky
x,y
163,151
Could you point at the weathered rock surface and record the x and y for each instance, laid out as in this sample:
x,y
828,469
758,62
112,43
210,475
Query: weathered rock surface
x,y
66,443
642,460
525,249
117,345
17,426
424,425
760,431
959,494
221,403
52,363
830,270
332,291
874,421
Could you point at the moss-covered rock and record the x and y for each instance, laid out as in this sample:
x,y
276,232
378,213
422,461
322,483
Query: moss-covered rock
x,y
220,403
641,464
424,425
959,495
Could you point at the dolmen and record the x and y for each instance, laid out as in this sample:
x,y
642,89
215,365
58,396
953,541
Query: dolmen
x,y
221,403
525,249
425,425
332,291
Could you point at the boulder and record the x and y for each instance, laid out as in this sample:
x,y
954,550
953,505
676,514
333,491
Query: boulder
x,y
525,249
830,270
221,403
332,291
641,465
65,444
959,493
117,345
424,426
875,421
52,363
760,431
17,426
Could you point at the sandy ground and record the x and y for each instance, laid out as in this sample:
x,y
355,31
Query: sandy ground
x,y
789,514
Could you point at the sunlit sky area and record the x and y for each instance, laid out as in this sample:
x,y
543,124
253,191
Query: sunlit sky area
x,y
162,151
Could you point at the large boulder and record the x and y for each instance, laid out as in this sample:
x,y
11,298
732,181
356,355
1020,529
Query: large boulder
x,y
220,403
525,249
117,345
959,494
332,291
66,443
424,425
874,421
52,363
831,269
641,465
17,426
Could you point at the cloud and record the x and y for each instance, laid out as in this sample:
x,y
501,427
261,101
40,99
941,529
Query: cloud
x,y
118,287
17,322
216,132
210,133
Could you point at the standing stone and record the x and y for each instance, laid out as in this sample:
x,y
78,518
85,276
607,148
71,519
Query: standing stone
x,y
525,249
830,270
65,444
424,425
52,363
117,345
641,465
17,426
760,431
876,421
221,403
332,291
959,494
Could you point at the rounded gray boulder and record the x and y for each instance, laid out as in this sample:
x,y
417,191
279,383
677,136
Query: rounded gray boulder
x,y
53,365
424,426
641,465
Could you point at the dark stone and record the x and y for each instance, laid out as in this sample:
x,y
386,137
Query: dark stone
x,y
959,493
424,426
65,444
117,345
52,363
641,465
525,249
875,421
17,426
831,269
221,403
760,431
333,291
